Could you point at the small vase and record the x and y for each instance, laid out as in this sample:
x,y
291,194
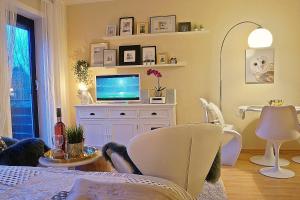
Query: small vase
x,y
157,93
75,150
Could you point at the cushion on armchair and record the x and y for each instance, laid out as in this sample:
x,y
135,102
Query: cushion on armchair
x,y
117,155
23,153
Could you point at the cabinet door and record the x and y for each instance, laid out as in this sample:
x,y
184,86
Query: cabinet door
x,y
122,131
95,133
147,126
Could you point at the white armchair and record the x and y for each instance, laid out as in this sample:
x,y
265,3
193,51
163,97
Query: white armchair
x,y
231,140
183,154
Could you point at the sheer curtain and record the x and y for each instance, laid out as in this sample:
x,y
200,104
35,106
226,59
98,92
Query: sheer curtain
x,y
55,77
7,34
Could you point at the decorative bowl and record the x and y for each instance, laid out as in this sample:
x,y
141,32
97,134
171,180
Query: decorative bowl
x,y
88,152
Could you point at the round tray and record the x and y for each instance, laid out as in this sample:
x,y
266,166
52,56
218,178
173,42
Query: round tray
x,y
88,152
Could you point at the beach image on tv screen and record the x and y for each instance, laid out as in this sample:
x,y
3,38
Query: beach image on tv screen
x,y
118,87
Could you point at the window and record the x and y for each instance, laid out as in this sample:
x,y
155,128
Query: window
x,y
24,110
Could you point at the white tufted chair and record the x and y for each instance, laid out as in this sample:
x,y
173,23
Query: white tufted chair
x,y
182,154
278,125
232,140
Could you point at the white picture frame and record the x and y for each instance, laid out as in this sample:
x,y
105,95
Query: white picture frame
x,y
259,66
149,55
109,57
97,51
163,24
111,30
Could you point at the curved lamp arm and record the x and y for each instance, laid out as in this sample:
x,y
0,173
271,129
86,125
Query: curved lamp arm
x,y
221,50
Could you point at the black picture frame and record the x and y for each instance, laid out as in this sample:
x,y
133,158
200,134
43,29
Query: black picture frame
x,y
153,20
150,61
184,26
124,53
121,31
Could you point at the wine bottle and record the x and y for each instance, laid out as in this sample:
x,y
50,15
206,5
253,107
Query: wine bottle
x,y
59,127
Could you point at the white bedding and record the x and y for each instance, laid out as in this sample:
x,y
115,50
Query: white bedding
x,y
27,183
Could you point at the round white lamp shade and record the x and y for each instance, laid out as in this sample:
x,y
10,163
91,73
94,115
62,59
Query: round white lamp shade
x,y
260,38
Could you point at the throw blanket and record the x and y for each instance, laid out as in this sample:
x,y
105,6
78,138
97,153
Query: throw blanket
x,y
28,183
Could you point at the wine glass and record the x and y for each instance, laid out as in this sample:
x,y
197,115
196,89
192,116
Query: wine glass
x,y
59,140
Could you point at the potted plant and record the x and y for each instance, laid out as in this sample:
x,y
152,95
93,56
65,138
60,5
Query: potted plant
x,y
75,141
82,76
157,89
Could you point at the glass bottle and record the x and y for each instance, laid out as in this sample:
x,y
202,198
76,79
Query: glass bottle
x,y
59,127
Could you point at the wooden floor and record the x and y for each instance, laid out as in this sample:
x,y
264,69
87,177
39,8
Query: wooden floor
x,y
243,181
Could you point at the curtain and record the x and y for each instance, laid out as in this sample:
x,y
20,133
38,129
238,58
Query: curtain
x,y
7,34
54,70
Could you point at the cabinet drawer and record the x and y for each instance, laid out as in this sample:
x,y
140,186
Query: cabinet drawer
x,y
92,113
120,114
154,114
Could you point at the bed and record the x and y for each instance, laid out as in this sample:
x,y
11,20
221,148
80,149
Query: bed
x,y
35,183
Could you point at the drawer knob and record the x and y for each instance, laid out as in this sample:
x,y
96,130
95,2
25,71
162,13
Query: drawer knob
x,y
122,114
154,113
92,114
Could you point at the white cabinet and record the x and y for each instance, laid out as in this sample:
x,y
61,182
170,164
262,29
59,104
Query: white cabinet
x,y
103,123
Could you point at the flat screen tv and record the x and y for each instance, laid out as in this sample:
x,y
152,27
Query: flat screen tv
x,y
125,87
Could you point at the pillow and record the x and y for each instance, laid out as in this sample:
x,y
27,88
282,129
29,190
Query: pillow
x,y
24,153
3,145
118,157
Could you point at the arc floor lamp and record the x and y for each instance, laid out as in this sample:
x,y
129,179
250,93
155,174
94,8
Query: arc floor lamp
x,y
258,38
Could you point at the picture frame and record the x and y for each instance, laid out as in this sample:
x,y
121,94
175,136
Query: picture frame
x,y
163,24
97,51
162,58
142,28
109,57
184,26
130,55
126,26
111,30
259,67
149,55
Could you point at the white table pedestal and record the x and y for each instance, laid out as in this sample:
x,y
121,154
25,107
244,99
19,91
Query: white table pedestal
x,y
268,159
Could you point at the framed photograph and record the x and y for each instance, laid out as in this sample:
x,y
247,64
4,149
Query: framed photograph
x,y
111,30
110,57
259,65
163,24
149,55
162,58
184,26
142,28
130,55
97,54
126,26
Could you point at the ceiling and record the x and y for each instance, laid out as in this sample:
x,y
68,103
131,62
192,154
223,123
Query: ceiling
x,y
72,2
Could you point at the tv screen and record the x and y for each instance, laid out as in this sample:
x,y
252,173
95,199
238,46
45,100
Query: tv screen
x,y
118,87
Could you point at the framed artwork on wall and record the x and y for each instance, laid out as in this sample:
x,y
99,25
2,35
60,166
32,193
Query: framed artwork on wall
x,y
184,26
163,24
130,55
126,26
259,66
97,54
149,55
110,57
142,28
111,30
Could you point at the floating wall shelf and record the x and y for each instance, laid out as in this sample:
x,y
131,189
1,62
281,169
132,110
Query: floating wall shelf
x,y
179,64
154,35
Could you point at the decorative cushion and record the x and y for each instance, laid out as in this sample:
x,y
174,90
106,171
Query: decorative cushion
x,y
117,155
3,146
9,141
24,153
